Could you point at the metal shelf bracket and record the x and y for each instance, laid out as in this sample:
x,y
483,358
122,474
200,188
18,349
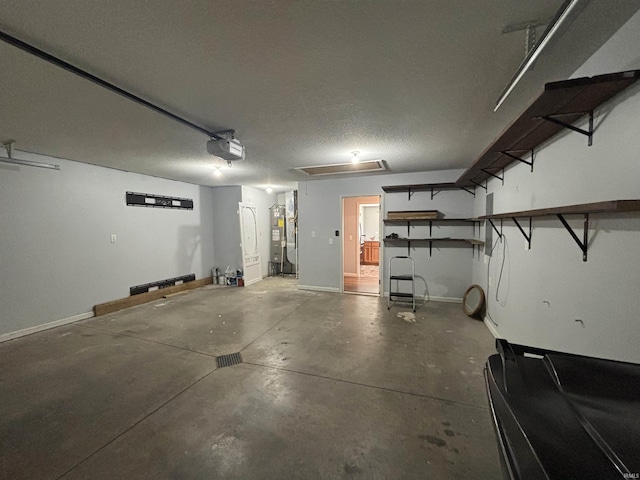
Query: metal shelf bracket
x,y
527,237
494,227
584,243
494,175
520,159
587,133
472,192
479,185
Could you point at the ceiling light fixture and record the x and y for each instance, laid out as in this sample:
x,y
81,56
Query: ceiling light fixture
x,y
568,9
269,189
217,172
355,158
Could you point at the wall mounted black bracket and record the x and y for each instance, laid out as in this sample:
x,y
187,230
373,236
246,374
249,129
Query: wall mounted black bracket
x,y
527,237
584,244
135,199
494,175
587,133
479,185
499,232
520,159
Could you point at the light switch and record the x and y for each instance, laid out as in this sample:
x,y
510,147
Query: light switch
x,y
331,241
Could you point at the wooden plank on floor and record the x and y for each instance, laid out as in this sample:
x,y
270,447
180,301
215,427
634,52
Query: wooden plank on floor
x,y
132,301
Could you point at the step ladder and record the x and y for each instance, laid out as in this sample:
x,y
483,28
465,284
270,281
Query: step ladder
x,y
402,279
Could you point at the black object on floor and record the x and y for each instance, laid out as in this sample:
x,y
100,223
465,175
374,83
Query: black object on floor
x,y
563,416
229,360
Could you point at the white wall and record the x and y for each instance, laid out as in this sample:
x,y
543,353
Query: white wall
x,y
544,290
57,260
263,201
443,276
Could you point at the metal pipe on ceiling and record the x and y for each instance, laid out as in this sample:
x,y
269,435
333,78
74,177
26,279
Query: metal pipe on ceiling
x,y
569,10
29,163
99,81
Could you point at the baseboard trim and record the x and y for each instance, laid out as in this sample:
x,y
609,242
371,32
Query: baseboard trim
x,y
350,275
433,299
319,289
491,328
45,326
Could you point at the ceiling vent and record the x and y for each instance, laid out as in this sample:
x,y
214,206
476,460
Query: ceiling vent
x,y
342,168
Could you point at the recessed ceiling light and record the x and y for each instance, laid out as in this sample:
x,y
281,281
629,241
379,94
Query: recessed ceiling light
x,y
355,158
217,172
269,189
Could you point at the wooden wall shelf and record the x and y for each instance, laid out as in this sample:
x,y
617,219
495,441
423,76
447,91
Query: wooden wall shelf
x,y
611,206
434,188
421,221
430,241
607,207
558,107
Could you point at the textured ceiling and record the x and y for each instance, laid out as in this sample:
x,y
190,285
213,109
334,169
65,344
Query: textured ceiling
x,y
302,82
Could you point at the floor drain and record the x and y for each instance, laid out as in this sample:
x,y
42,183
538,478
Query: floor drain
x,y
228,360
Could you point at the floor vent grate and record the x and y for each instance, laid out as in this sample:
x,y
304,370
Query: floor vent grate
x,y
229,360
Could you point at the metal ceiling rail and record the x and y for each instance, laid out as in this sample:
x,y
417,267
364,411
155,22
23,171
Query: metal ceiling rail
x,y
5,37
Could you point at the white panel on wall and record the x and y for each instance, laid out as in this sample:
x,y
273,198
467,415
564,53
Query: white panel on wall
x,y
263,202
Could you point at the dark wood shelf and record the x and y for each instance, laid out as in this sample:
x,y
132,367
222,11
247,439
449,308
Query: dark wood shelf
x,y
585,209
423,187
430,241
404,221
422,221
434,188
558,107
611,206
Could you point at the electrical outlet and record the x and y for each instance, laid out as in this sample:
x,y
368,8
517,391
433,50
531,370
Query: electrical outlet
x,y
114,238
313,234
331,241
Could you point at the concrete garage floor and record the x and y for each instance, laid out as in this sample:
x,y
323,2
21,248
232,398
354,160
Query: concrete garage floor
x,y
332,386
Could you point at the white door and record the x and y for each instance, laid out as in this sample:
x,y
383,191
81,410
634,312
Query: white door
x,y
250,253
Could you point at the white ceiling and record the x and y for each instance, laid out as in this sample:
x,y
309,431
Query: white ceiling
x,y
302,82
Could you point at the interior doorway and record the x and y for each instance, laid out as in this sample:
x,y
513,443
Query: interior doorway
x,y
361,252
